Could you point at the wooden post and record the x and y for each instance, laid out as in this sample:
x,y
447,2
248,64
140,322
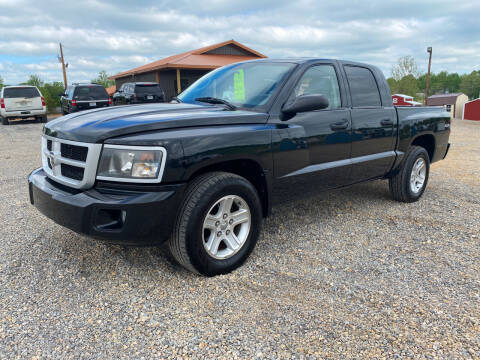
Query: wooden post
x,y
157,77
429,50
179,85
63,66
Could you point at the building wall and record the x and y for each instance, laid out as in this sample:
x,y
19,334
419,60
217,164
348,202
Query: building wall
x,y
461,100
230,49
472,110
167,79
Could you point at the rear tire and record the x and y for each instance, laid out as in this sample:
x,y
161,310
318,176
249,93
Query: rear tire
x,y
5,121
44,119
409,183
228,205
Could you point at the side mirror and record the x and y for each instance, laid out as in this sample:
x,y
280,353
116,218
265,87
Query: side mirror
x,y
304,103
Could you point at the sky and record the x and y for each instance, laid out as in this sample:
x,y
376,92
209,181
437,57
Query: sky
x,y
118,35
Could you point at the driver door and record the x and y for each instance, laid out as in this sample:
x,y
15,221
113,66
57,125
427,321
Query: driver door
x,y
325,134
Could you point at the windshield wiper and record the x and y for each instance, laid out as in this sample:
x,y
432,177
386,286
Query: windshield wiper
x,y
177,100
212,100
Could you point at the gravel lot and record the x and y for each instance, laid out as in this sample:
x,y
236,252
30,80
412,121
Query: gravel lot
x,y
344,274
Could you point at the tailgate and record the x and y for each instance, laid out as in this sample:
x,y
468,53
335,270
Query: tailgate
x,y
18,104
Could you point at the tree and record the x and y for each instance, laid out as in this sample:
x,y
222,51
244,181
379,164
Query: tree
x,y
408,85
470,84
405,66
34,80
1,82
103,79
393,84
51,93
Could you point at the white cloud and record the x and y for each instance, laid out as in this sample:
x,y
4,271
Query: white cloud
x,y
116,36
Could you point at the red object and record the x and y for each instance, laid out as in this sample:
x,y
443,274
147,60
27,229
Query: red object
x,y
74,102
403,100
2,103
43,101
109,101
471,110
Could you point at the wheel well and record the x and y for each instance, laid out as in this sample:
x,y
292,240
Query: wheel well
x,y
427,142
250,170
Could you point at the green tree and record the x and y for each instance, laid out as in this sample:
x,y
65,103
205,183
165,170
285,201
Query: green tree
x,y
405,65
103,79
470,84
34,80
393,84
51,93
408,85
1,82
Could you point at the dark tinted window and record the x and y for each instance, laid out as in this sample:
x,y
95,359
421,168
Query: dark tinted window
x,y
88,92
20,92
142,90
363,87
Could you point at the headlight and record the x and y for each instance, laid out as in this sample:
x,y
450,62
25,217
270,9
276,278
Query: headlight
x,y
131,163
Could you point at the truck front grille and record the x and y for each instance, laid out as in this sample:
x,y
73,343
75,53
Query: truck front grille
x,y
74,152
70,163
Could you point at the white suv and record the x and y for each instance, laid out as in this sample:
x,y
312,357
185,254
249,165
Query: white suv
x,y
22,102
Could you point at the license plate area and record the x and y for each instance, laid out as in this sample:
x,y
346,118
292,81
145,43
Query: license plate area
x,y
149,97
92,104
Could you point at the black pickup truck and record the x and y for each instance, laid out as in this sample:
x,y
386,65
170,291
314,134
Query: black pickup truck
x,y
201,173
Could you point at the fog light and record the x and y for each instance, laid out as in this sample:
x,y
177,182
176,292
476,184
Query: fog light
x,y
109,219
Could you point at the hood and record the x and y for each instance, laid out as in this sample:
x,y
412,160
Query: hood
x,y
97,125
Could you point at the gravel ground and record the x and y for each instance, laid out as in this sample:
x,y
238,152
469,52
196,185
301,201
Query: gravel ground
x,y
344,274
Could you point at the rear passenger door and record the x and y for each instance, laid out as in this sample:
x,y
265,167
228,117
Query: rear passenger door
x,y
372,125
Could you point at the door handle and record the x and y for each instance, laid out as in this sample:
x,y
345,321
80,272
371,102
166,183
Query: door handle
x,y
341,125
386,122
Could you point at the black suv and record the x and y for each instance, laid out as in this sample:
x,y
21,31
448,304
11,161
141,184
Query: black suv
x,y
138,93
80,97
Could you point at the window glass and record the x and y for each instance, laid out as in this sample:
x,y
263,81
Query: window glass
x,y
148,89
363,87
247,85
90,92
320,80
20,92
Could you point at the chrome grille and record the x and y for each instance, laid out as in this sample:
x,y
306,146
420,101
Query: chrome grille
x,y
70,163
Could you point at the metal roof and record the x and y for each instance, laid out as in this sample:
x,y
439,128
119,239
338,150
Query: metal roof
x,y
196,59
443,99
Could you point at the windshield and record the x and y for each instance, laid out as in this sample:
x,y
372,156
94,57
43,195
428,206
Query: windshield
x,y
245,85
90,92
20,92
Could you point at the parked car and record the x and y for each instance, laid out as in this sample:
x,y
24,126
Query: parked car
x,y
80,97
22,102
138,93
200,174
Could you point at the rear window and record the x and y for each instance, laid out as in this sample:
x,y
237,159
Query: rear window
x,y
90,93
148,90
20,92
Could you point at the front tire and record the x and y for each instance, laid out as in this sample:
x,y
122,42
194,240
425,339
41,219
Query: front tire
x,y
409,183
5,121
218,224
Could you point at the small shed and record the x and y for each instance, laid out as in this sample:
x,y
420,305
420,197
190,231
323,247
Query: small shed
x,y
471,110
453,103
177,72
404,100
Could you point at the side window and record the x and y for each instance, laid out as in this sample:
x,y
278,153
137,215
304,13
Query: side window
x,y
320,80
122,88
363,87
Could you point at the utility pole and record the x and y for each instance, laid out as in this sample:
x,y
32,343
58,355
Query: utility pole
x,y
429,50
63,66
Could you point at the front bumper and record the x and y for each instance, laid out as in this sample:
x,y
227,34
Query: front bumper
x,y
127,217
